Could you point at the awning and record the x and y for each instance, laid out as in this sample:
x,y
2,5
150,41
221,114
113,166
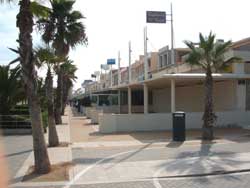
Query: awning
x,y
183,79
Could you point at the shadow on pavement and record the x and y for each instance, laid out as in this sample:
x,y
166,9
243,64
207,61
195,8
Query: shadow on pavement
x,y
130,155
90,161
174,144
199,162
18,153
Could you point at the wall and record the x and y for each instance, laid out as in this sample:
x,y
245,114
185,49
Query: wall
x,y
94,115
111,123
191,98
88,111
154,61
109,109
135,109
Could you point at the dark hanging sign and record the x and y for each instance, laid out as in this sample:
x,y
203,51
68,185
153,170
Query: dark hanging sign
x,y
156,17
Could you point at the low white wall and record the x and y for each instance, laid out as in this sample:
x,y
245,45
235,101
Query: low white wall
x,y
110,123
109,109
83,110
88,110
135,108
94,115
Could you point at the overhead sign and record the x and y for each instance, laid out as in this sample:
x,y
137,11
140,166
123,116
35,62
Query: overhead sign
x,y
156,17
104,66
111,61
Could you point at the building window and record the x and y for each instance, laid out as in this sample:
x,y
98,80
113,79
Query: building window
x,y
137,97
124,97
160,61
165,59
150,98
149,63
241,82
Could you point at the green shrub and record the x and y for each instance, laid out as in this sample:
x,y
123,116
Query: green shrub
x,y
45,120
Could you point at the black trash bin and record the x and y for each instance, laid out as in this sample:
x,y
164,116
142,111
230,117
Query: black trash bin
x,y
179,130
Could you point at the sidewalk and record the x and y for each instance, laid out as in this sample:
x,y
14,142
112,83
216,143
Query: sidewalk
x,y
56,154
105,171
85,134
101,158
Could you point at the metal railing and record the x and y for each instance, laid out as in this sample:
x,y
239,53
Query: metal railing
x,y
15,121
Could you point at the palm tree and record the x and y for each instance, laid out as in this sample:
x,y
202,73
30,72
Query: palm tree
x,y
11,90
47,56
29,77
208,54
68,70
64,30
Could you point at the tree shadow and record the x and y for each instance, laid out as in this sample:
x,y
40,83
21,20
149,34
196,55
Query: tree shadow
x,y
18,153
199,163
89,161
118,160
174,144
234,134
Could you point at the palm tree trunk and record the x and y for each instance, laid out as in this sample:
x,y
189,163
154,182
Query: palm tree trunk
x,y
53,137
209,116
58,107
65,94
25,24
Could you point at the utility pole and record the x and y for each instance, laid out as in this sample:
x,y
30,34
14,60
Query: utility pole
x,y
172,37
145,54
129,60
111,76
119,68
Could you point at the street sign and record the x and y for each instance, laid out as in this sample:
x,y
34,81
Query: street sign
x,y
104,66
156,17
111,61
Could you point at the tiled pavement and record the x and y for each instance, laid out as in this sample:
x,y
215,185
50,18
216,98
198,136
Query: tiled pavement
x,y
228,181
84,157
142,162
17,149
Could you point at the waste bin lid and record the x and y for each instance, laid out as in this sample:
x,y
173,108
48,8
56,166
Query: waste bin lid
x,y
179,112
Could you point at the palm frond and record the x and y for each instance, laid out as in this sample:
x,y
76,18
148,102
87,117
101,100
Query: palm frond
x,y
14,50
39,10
63,28
14,61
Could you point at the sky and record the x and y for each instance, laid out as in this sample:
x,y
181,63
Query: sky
x,y
111,24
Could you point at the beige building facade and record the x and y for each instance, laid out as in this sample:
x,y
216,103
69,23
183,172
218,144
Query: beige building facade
x,y
146,105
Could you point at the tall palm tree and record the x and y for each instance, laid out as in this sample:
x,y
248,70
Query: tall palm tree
x,y
208,54
64,29
68,70
29,77
46,55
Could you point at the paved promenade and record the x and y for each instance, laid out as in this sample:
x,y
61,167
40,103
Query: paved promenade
x,y
131,160
17,149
